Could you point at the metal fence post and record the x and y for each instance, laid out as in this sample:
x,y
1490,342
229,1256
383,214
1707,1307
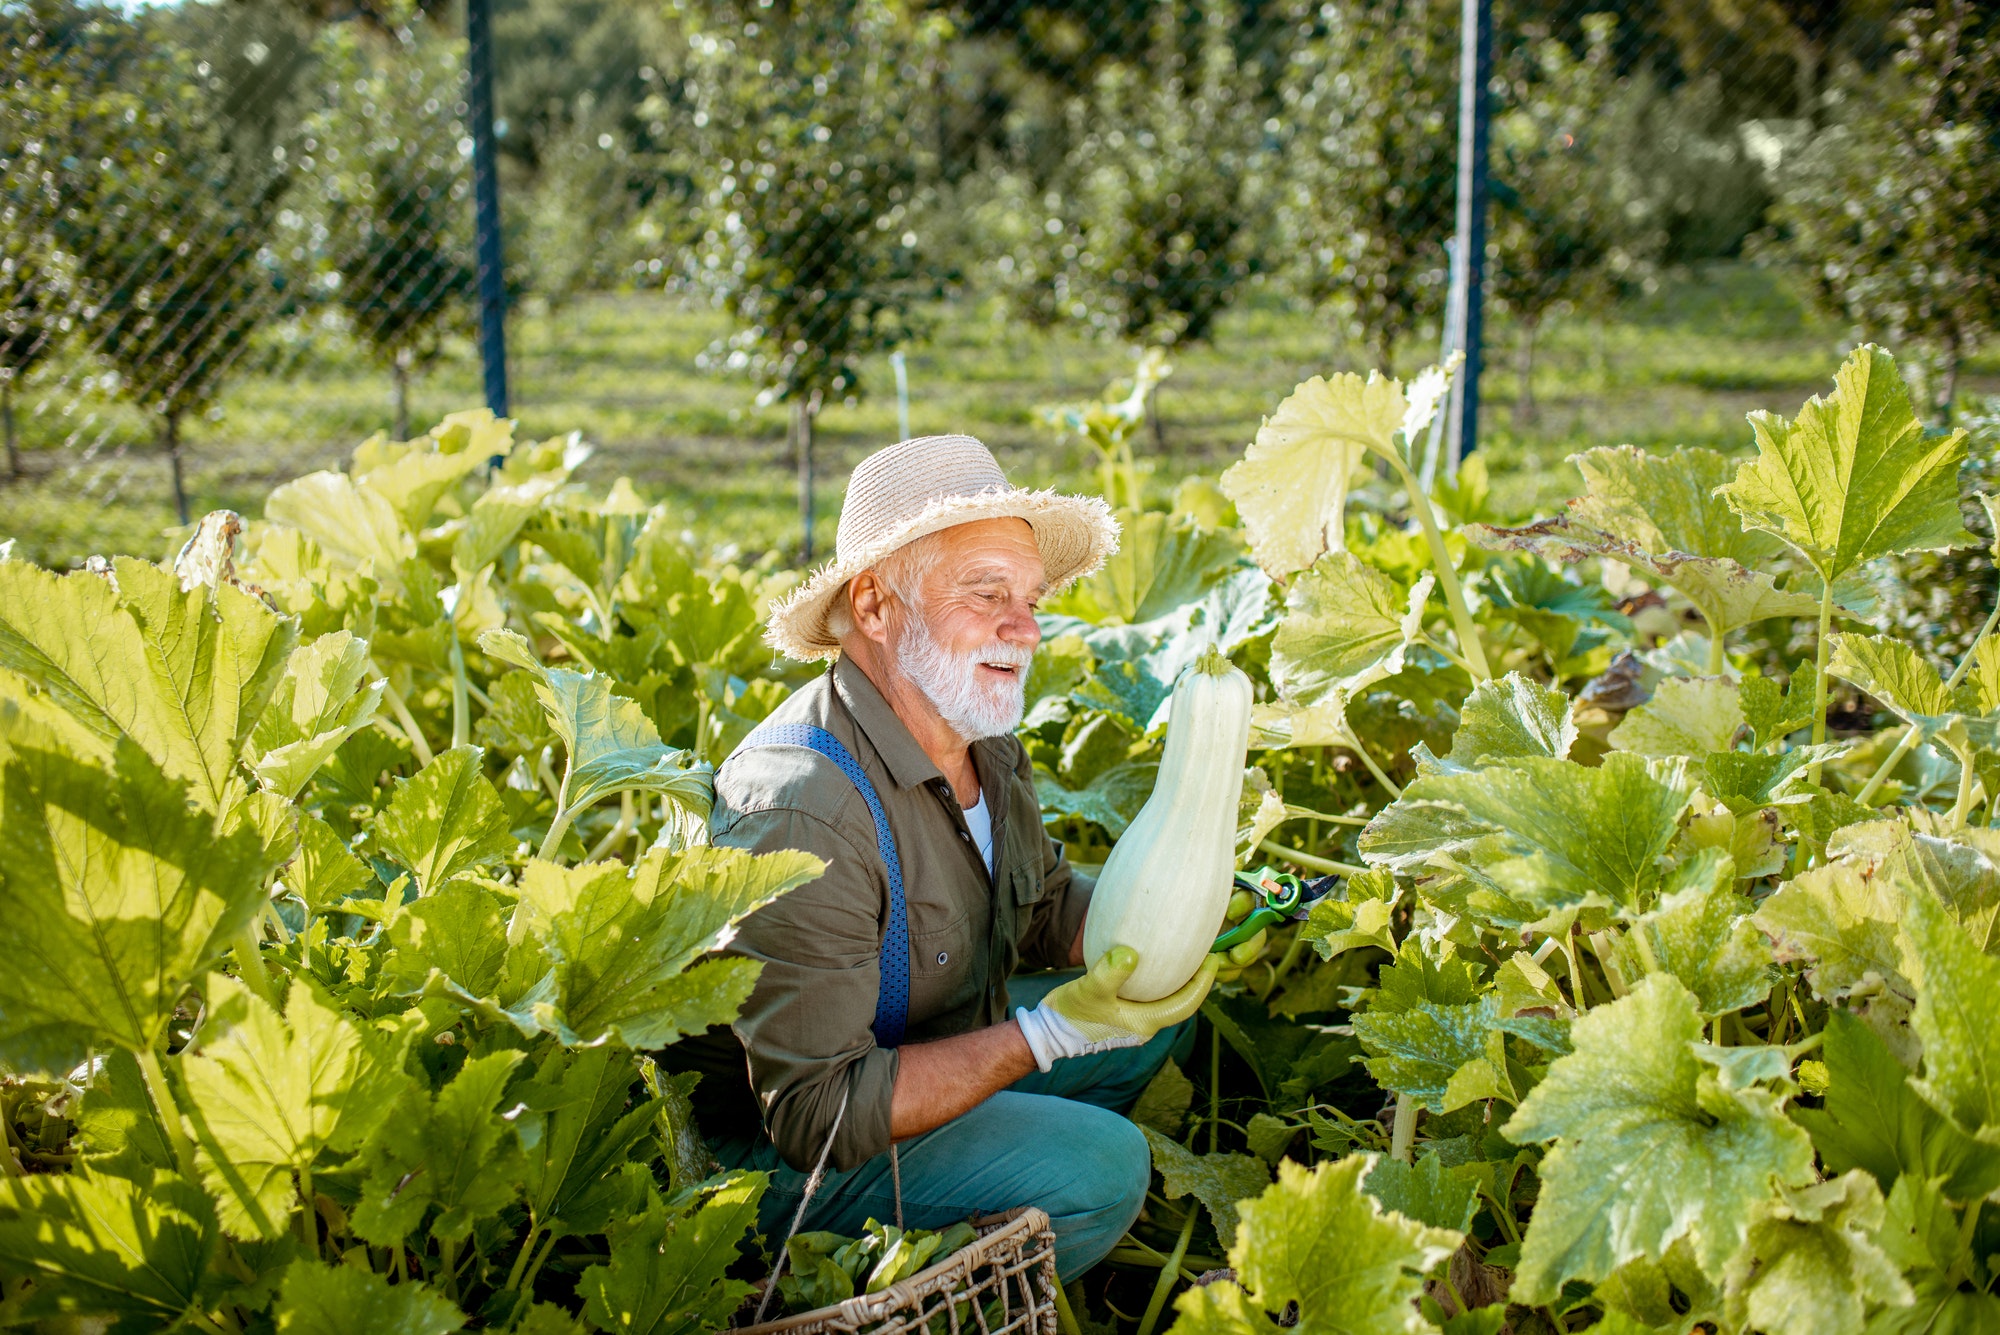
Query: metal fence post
x,y
1475,72
486,204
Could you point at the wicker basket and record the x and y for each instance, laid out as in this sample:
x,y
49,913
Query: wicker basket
x,y
1011,1265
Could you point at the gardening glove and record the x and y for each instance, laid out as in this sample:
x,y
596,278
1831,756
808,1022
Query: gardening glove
x,y
1086,1015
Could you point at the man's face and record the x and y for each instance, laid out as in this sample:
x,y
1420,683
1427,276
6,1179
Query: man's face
x,y
968,642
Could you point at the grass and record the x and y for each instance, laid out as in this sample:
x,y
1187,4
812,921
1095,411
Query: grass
x,y
1681,365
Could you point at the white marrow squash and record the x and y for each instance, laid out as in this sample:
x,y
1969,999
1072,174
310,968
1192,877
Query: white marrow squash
x,y
1166,885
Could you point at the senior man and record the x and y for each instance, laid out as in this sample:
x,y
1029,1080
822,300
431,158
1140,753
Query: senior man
x,y
882,1013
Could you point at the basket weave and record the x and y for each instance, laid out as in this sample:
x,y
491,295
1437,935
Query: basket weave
x,y
1012,1263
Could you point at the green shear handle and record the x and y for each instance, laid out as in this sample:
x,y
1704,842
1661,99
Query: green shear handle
x,y
1281,897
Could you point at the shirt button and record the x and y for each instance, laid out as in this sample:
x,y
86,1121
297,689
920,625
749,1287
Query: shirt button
x,y
944,957
965,836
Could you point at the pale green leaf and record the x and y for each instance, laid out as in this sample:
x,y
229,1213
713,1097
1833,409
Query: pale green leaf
x,y
1842,918
102,1246
1163,1104
1956,868
1508,717
668,1271
1895,674
1163,562
1360,915
455,1153
658,770
1428,1193
1774,714
496,518
592,720
183,674
116,892
579,1127
1854,477
320,1299
458,932
414,481
359,529
1687,716
1667,503
445,820
1218,1180
1809,1264
268,1094
1112,798
1957,1015
325,872
1291,485
1415,1052
1703,935
1551,832
625,942
120,1130
1346,624
1318,1239
322,699
1650,1146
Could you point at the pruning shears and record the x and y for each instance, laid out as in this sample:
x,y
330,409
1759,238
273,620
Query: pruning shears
x,y
1281,897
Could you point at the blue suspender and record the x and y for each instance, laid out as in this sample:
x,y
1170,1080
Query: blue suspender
x,y
892,1004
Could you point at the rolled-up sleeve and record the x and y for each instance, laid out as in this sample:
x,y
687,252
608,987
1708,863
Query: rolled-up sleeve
x,y
806,1025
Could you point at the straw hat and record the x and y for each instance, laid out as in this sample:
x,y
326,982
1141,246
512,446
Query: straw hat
x,y
920,486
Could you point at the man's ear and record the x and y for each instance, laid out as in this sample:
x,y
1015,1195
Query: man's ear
x,y
869,599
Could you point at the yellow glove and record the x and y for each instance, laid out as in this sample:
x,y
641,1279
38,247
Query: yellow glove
x,y
1086,1015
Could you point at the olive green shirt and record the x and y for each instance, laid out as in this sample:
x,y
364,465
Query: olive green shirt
x,y
803,1038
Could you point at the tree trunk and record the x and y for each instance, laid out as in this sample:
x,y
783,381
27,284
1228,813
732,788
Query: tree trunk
x,y
1524,371
399,371
1947,388
174,461
7,425
1159,427
803,412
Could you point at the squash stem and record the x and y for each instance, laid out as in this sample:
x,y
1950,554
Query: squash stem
x,y
401,709
1319,864
1454,597
1820,656
1168,1274
169,1111
1064,1314
1403,1132
1909,741
250,964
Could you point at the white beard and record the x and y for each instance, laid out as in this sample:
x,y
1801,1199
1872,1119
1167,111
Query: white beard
x,y
950,681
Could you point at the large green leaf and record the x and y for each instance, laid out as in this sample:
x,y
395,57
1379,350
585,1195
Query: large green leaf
x,y
1219,1180
1957,1015
1842,918
1429,1192
579,1124
325,872
322,699
1291,485
1359,915
356,527
267,1094
1809,1264
1854,477
1702,934
1954,867
320,1299
445,820
414,478
668,1271
1552,832
455,1152
1651,1145
102,1246
1509,717
624,942
183,674
116,893
1346,624
1667,502
1687,716
1112,798
1872,1119
1163,563
1318,1239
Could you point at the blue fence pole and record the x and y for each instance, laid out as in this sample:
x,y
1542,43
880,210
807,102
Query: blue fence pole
x,y
1475,73
486,204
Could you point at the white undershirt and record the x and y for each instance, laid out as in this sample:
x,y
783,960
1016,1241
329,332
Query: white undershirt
x,y
980,822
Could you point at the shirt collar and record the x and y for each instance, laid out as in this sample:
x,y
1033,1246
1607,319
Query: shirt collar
x,y
905,760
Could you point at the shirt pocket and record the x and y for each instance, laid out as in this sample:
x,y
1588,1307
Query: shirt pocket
x,y
1026,883
943,952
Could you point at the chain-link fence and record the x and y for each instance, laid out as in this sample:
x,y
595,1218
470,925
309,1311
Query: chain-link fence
x,y
238,238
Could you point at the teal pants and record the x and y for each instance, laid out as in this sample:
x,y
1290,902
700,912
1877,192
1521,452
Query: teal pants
x,y
1059,1140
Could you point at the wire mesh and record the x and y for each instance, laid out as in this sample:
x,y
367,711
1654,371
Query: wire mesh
x,y
239,237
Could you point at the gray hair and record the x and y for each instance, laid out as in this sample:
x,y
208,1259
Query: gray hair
x,y
903,571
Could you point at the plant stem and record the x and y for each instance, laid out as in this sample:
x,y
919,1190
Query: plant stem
x,y
169,1112
250,963
401,709
560,825
1963,804
1403,1132
1909,741
1454,597
1316,863
1214,1088
1063,1314
1168,1274
521,1261
1717,659
1820,655
311,1220
535,1266
627,818
461,704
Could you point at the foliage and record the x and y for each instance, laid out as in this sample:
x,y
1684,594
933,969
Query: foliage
x,y
335,1044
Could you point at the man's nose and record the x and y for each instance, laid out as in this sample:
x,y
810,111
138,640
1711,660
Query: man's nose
x,y
1019,626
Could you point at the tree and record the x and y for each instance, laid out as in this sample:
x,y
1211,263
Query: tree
x,y
1894,209
1369,170
813,166
1168,171
391,194
1570,222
